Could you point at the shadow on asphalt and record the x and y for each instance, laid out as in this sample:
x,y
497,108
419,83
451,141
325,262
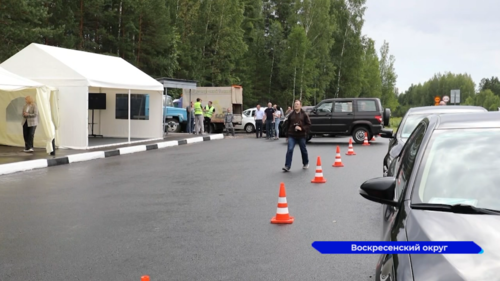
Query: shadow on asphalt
x,y
312,143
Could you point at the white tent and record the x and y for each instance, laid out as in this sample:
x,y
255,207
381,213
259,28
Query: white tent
x,y
13,90
76,74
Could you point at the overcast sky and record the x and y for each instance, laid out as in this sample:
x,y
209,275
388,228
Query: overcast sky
x,y
427,37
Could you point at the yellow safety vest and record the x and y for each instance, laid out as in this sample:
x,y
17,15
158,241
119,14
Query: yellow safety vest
x,y
209,111
197,108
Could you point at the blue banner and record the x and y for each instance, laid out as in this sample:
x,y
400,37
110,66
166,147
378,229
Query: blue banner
x,y
416,247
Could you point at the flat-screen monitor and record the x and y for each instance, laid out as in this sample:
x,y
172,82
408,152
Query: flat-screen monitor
x,y
97,101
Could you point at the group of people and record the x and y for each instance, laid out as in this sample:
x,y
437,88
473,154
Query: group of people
x,y
199,116
271,116
296,130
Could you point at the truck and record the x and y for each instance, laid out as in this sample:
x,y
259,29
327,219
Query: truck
x,y
222,98
175,118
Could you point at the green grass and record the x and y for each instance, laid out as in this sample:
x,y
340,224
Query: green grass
x,y
394,122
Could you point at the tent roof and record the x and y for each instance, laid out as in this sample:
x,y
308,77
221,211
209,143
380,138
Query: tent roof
x,y
66,67
12,82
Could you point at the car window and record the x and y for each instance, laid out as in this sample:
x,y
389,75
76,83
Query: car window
x,y
325,107
253,113
461,167
409,125
408,156
343,106
246,113
366,105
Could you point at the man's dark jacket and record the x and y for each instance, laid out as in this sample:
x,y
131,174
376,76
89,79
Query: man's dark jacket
x,y
300,118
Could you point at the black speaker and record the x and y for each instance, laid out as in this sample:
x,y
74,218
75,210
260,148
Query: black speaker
x,y
97,101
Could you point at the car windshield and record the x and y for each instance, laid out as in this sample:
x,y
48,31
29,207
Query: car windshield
x,y
409,125
461,167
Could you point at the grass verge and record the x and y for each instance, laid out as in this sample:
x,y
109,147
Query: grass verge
x,y
394,122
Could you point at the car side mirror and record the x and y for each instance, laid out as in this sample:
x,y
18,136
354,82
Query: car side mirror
x,y
380,190
388,134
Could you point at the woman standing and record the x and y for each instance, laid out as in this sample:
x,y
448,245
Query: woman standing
x,y
277,121
30,121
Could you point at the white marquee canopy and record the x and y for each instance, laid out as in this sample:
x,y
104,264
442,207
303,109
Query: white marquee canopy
x,y
78,73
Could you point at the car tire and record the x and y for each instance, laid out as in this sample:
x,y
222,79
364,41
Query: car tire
x,y
175,127
249,128
358,134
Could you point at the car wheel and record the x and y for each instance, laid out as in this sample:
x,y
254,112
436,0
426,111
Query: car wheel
x,y
172,125
249,128
358,135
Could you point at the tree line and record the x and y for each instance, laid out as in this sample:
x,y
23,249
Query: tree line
x,y
486,94
278,50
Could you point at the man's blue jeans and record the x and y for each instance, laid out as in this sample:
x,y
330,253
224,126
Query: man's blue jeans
x,y
269,128
291,146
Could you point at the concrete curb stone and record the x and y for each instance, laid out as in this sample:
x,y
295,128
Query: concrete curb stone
x,y
23,166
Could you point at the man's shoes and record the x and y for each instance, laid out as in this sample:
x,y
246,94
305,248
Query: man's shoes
x,y
306,166
286,169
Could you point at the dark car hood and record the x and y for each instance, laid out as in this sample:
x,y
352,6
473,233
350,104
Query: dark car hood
x,y
484,230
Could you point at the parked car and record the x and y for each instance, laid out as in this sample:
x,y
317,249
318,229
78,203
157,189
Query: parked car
x,y
446,189
408,123
247,121
348,117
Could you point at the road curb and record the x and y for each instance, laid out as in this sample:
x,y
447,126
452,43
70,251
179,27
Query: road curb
x,y
23,166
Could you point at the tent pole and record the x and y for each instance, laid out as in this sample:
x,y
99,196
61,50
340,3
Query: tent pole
x,y
163,106
129,116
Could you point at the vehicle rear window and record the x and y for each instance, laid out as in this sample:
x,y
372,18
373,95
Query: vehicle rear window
x,y
461,166
366,105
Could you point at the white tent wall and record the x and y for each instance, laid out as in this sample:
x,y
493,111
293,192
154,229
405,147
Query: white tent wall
x,y
11,129
73,120
109,126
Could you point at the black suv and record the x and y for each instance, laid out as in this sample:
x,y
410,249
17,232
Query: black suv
x,y
348,116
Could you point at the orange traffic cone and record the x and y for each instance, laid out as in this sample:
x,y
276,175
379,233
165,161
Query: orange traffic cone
x,y
350,150
282,215
145,278
338,160
318,177
373,138
366,140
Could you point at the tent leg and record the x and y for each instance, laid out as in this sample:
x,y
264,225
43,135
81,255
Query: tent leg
x,y
53,153
128,116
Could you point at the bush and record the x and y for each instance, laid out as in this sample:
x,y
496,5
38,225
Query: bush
x,y
394,122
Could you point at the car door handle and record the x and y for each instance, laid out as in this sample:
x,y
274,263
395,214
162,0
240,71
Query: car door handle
x,y
349,113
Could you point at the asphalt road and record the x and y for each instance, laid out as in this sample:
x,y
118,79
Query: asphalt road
x,y
196,212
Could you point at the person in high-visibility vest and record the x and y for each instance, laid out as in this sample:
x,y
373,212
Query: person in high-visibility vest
x,y
209,110
198,117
